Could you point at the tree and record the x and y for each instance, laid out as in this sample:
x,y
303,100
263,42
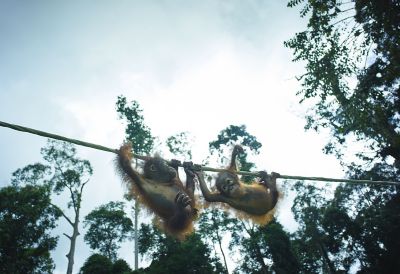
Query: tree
x,y
120,266
167,253
265,249
136,131
108,226
311,238
232,135
226,139
71,174
96,264
351,53
352,41
369,217
142,142
280,247
170,255
213,224
252,241
100,264
26,219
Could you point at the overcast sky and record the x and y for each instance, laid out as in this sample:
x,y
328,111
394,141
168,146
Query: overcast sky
x,y
196,66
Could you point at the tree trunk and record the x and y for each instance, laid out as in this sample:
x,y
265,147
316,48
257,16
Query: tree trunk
x,y
222,251
329,264
136,235
136,239
219,242
260,259
71,252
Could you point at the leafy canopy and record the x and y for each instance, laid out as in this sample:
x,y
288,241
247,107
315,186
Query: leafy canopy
x,y
108,226
352,72
26,219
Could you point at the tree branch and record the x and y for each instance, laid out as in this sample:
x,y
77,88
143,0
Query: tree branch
x,y
83,184
341,20
346,10
63,214
353,29
65,185
69,237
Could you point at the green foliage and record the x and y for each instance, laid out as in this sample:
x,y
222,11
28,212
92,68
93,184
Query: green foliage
x,y
280,247
69,172
172,256
142,141
357,225
108,226
34,174
26,219
236,135
233,135
97,264
213,224
180,144
311,239
72,174
100,264
136,131
352,42
258,244
120,267
353,70
64,171
373,225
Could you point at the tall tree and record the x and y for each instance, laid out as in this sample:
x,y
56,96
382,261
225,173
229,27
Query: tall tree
x,y
213,224
311,239
280,247
225,141
353,70
136,130
168,254
108,226
252,241
26,219
70,174
264,249
142,142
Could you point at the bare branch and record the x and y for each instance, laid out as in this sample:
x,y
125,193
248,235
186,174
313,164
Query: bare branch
x,y
348,9
366,56
245,228
83,184
69,237
63,214
353,29
341,20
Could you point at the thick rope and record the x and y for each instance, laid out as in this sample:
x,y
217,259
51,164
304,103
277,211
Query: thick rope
x,y
203,168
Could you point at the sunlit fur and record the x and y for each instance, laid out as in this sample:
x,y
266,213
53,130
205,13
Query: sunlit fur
x,y
254,200
157,188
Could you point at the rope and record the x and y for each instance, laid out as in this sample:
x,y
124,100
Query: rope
x,y
204,168
62,138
